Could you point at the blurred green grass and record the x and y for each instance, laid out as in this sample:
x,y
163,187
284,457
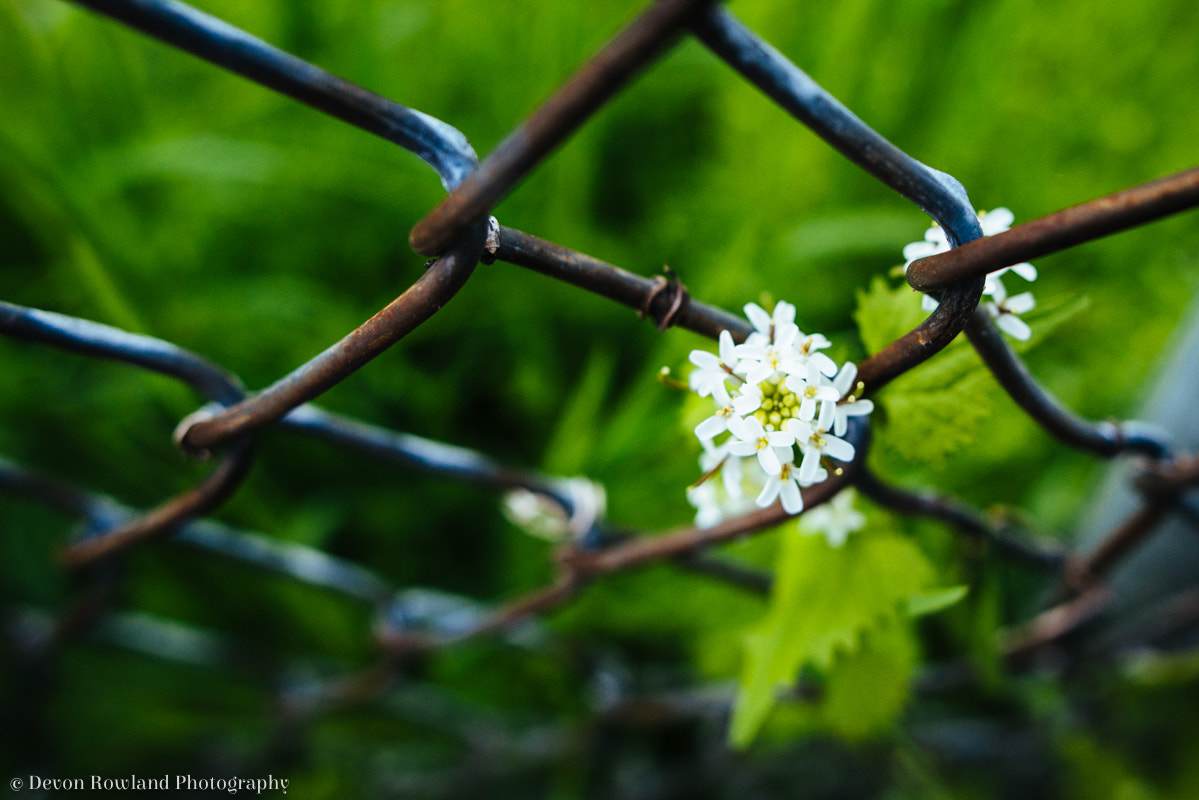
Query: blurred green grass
x,y
145,189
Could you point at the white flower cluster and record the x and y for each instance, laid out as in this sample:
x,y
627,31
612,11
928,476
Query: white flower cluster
x,y
1005,310
834,520
778,398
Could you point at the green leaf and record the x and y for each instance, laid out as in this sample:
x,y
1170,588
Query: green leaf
x,y
575,434
885,313
925,603
917,403
936,410
867,689
824,600
1047,318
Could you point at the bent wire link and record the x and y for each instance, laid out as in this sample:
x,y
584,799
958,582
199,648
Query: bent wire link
x,y
96,340
939,194
441,146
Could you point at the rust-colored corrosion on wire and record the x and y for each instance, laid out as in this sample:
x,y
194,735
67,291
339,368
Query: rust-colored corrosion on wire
x,y
209,495
457,229
614,283
555,120
1058,231
423,299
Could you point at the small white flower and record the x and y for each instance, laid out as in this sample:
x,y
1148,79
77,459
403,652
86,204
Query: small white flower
x,y
835,519
814,392
993,222
752,439
816,443
1004,311
768,391
760,361
769,324
713,370
718,423
730,467
784,484
845,385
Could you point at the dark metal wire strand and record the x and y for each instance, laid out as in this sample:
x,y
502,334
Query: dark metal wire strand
x,y
400,317
1058,231
963,518
552,123
939,194
614,283
438,144
1104,439
104,341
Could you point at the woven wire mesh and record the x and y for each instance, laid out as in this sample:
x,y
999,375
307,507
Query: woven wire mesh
x,y
457,234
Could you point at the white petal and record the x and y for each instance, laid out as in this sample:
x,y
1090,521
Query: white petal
x,y
820,476
780,438
741,429
758,317
784,314
769,461
929,303
704,360
918,250
809,465
817,341
748,401
807,409
712,427
836,536
792,499
800,429
726,348
1026,271
840,423
838,448
798,374
730,475
994,287
828,411
1021,303
857,408
720,394
997,220
740,448
1014,326
823,363
769,491
785,336
747,351
757,372
845,379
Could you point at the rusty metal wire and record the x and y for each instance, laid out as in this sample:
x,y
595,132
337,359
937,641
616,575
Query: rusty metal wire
x,y
457,232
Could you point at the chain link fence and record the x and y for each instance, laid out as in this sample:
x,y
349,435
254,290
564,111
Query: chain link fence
x,y
460,232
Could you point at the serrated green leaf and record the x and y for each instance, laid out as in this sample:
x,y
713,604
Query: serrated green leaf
x,y
824,600
885,313
917,403
925,603
928,419
867,689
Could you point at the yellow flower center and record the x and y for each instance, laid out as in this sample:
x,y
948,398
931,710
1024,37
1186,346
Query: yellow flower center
x,y
779,404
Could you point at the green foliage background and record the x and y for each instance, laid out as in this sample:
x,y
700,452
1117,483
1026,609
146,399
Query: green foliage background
x,y
145,189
